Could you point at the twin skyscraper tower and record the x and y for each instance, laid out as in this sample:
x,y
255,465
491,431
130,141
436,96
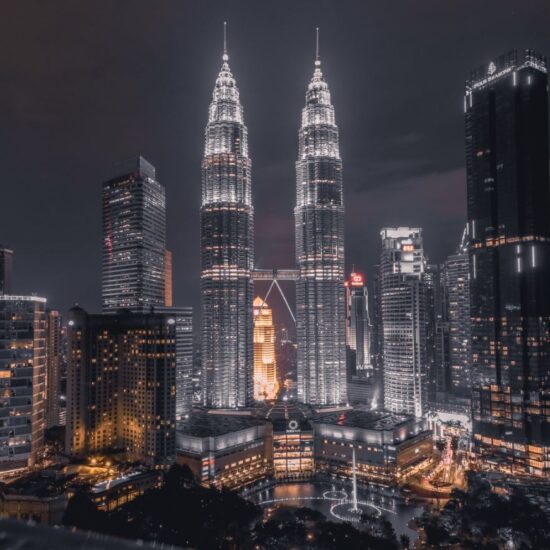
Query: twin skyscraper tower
x,y
227,245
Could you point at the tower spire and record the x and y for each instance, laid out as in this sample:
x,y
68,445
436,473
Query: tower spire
x,y
317,60
225,56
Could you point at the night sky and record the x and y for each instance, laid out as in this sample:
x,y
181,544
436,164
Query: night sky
x,y
85,85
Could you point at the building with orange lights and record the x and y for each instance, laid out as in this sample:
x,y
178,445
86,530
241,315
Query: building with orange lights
x,y
266,385
121,385
22,380
229,451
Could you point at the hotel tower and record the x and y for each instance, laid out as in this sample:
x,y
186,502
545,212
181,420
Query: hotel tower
x,y
319,217
227,243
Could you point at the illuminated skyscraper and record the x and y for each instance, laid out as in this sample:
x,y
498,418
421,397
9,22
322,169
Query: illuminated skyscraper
x,y
53,367
455,279
404,314
134,239
358,328
319,217
22,380
227,242
506,115
266,385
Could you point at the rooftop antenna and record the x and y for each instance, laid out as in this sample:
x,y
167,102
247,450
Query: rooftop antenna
x,y
317,60
225,56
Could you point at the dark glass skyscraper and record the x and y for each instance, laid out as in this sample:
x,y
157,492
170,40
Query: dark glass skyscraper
x,y
319,218
134,239
358,330
506,110
6,270
227,242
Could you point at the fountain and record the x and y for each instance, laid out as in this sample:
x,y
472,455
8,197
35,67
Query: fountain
x,y
355,508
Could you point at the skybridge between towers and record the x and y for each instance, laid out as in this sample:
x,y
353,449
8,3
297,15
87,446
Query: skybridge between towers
x,y
276,275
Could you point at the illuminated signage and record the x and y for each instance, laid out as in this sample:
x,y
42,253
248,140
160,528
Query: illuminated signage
x,y
292,426
357,279
408,247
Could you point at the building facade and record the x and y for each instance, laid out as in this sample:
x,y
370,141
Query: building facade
x,y
226,451
319,218
456,283
386,445
54,354
358,333
121,385
266,384
227,244
506,118
404,313
183,317
134,239
22,380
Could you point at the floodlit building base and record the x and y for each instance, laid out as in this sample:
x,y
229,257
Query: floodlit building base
x,y
234,451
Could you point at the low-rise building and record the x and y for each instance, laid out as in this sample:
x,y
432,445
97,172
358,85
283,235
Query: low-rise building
x,y
111,494
226,450
40,497
292,441
387,445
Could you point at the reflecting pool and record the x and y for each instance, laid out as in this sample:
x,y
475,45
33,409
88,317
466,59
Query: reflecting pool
x,y
334,501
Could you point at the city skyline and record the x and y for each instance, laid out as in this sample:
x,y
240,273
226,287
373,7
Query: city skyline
x,y
386,175
268,302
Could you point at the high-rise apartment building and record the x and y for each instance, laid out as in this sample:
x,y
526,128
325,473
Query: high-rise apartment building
x,y
227,243
319,218
22,380
404,303
6,270
506,115
266,385
121,385
134,239
53,367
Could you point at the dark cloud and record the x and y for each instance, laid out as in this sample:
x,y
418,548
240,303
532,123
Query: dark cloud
x,y
84,85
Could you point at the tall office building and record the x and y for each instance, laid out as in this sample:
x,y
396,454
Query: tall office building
x,y
6,270
455,282
53,367
506,115
377,338
121,385
404,303
266,385
22,380
134,239
358,329
319,218
183,317
227,242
